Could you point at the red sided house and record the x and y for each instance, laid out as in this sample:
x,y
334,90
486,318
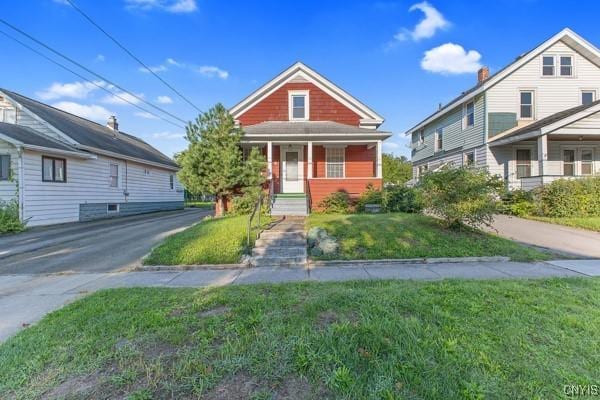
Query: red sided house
x,y
318,139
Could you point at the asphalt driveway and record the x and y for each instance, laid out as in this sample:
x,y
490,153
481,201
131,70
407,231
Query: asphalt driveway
x,y
99,246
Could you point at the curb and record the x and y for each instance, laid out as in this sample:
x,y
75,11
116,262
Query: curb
x,y
400,261
143,268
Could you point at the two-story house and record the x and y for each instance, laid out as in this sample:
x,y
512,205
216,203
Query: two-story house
x,y
534,121
317,139
63,168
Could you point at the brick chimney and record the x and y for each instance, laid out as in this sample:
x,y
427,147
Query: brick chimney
x,y
483,74
112,123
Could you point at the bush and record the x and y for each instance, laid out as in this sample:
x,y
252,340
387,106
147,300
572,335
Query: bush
x,y
320,243
369,196
245,203
401,198
570,198
519,203
9,217
462,196
336,203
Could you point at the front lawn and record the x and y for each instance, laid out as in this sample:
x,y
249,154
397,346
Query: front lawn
x,y
200,204
590,223
399,235
357,340
212,241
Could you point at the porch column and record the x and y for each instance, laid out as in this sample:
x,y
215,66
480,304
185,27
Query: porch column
x,y
309,162
270,166
379,160
542,144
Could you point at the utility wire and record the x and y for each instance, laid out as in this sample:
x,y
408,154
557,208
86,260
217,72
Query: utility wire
x,y
58,53
86,79
147,68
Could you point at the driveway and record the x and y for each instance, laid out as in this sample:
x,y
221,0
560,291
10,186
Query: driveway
x,y
99,246
576,242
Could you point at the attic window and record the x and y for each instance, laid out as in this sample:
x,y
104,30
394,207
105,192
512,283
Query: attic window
x,y
298,106
566,66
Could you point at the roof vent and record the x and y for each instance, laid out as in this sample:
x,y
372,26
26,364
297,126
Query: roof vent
x,y
112,123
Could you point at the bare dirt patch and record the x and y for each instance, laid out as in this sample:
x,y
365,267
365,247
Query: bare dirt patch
x,y
238,386
76,386
326,318
214,312
297,388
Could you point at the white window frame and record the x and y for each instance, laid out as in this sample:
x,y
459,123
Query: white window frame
x,y
466,153
581,149
559,65
110,176
8,173
291,95
553,56
113,211
533,103
562,160
421,139
438,132
327,162
466,115
171,182
584,90
533,171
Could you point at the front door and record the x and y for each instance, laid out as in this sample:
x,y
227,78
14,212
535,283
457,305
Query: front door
x,y
292,170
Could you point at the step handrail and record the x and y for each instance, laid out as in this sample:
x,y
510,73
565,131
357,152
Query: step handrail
x,y
257,208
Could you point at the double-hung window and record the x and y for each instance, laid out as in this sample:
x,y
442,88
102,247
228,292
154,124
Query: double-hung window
x,y
588,97
469,159
4,167
299,106
334,160
171,182
523,163
421,136
469,114
548,66
114,175
569,162
54,169
566,65
526,104
587,162
439,140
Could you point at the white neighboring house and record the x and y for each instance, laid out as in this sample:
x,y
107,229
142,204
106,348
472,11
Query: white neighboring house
x,y
63,168
534,121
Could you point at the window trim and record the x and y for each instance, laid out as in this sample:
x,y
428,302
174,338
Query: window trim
x,y
466,115
343,162
533,104
553,56
110,176
465,155
559,64
584,90
592,161
531,163
171,182
562,160
291,95
8,175
438,132
108,211
53,180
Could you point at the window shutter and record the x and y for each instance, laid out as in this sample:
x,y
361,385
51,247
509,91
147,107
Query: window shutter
x,y
4,167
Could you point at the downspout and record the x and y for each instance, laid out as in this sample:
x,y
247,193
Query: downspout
x,y
126,191
21,184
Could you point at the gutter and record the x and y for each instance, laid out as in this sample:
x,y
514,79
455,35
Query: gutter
x,y
123,157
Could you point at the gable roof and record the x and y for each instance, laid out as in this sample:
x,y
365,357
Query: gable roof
x,y
566,35
298,71
29,138
92,136
547,124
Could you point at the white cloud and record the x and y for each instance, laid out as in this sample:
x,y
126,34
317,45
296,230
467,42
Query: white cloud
x,y
155,69
211,72
164,100
122,99
167,135
427,27
92,111
171,6
145,115
75,90
451,58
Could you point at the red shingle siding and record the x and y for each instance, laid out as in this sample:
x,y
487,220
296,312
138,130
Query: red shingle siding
x,y
323,107
321,188
360,161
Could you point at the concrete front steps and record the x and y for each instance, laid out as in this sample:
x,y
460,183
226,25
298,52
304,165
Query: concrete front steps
x,y
283,245
291,204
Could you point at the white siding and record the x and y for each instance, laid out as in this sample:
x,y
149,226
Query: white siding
x,y
8,189
88,182
552,94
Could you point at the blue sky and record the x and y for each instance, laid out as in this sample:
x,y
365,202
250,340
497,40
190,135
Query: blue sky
x,y
401,58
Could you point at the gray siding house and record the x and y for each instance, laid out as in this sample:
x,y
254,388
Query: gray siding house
x,y
63,168
534,121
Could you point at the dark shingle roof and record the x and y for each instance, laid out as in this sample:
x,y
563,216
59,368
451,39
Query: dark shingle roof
x,y
27,135
92,134
550,119
306,128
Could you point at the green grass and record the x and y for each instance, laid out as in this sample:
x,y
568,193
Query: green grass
x,y
200,204
590,223
212,241
399,235
357,340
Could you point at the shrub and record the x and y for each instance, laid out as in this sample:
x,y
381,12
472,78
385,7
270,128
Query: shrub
x,y
401,198
320,243
461,196
570,198
336,203
9,217
369,196
518,202
245,203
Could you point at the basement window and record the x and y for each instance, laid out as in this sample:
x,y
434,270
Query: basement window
x,y
112,208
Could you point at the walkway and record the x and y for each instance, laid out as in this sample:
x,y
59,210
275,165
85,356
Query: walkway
x,y
578,242
25,299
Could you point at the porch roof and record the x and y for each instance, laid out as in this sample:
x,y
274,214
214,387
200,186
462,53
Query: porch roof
x,y
547,124
311,130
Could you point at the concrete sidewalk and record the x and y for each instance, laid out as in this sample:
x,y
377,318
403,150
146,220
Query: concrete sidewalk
x,y
25,299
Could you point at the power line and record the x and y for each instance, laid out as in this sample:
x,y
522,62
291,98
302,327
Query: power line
x,y
58,53
86,79
147,68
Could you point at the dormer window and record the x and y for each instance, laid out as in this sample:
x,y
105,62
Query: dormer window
x,y
298,106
